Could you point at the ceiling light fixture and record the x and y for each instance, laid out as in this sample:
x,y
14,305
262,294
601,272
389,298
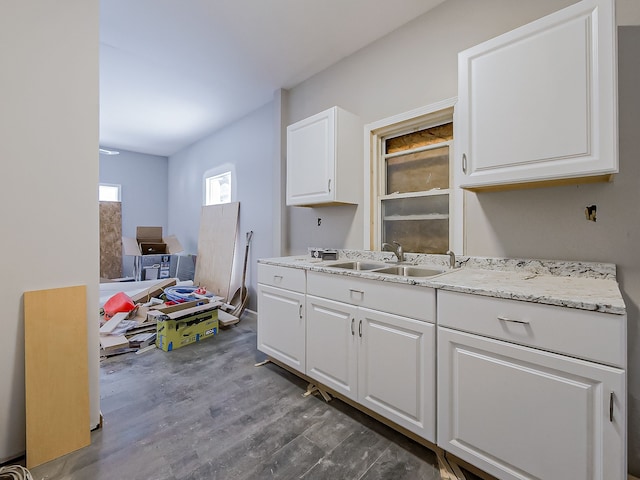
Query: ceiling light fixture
x,y
109,152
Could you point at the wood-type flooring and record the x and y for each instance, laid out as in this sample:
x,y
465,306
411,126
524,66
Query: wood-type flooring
x,y
206,412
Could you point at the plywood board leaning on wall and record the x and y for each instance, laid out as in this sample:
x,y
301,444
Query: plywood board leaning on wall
x,y
216,247
110,239
56,373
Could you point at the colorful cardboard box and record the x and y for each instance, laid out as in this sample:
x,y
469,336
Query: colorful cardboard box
x,y
183,326
151,248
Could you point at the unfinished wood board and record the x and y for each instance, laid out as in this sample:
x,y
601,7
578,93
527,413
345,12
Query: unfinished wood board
x,y
216,247
113,342
110,239
56,373
111,324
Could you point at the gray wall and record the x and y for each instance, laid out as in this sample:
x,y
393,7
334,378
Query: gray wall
x,y
144,180
248,145
542,223
422,69
49,151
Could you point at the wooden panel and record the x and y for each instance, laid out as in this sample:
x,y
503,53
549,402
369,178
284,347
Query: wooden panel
x,y
216,247
111,239
56,373
422,138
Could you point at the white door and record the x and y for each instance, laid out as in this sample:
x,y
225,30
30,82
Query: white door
x,y
311,153
539,103
332,345
520,413
397,368
281,325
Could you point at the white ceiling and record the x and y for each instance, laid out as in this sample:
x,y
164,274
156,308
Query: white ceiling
x,y
174,71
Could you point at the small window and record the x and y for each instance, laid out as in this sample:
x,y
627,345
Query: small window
x,y
218,189
109,193
414,206
411,186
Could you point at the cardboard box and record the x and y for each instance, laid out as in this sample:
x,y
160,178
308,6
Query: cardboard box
x,y
155,255
149,241
154,267
181,325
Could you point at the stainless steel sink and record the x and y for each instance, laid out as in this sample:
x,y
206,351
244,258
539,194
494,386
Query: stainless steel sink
x,y
356,265
409,271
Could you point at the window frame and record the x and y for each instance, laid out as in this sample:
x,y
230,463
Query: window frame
x,y
227,168
375,182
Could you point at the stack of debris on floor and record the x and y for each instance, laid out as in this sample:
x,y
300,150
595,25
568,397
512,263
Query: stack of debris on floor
x,y
167,315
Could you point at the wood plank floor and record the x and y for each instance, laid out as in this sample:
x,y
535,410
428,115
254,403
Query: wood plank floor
x,y
206,412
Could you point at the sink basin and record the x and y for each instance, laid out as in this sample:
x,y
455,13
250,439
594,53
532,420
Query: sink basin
x,y
409,271
356,265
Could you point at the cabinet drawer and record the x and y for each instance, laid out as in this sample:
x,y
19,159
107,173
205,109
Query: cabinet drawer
x,y
401,299
282,277
580,333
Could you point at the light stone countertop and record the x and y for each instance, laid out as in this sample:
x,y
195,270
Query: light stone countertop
x,y
581,285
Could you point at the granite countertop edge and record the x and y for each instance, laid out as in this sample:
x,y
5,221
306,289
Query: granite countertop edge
x,y
588,286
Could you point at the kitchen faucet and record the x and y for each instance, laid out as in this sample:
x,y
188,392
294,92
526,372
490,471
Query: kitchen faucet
x,y
452,259
397,250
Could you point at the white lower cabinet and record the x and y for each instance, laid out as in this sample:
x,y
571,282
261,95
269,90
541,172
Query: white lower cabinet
x,y
396,370
518,412
281,319
384,361
524,391
332,345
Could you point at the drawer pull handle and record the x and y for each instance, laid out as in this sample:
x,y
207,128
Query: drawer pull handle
x,y
352,290
611,407
360,328
300,310
512,320
464,163
352,322
277,277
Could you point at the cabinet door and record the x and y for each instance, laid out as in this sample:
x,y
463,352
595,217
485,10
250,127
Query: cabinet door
x,y
281,325
539,103
520,413
311,150
396,370
332,345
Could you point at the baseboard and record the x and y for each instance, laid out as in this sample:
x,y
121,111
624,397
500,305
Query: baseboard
x,y
250,314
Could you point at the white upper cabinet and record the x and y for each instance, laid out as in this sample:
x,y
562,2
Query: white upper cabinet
x,y
539,103
324,159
